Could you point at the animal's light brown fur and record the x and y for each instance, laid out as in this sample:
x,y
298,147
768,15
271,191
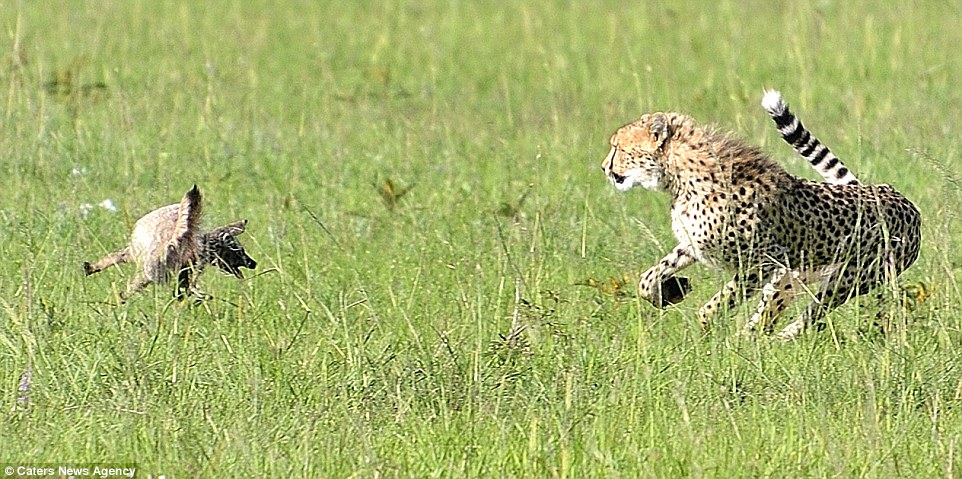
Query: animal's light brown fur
x,y
168,242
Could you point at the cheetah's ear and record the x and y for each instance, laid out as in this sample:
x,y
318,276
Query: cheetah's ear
x,y
659,129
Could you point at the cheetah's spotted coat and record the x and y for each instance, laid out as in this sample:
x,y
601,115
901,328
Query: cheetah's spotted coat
x,y
735,209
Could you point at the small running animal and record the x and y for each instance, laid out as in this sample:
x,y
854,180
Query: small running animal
x,y
168,241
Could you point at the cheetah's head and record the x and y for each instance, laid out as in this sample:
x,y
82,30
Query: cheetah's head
x,y
637,152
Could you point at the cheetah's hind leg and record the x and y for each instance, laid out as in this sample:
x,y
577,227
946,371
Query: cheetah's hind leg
x,y
134,286
833,290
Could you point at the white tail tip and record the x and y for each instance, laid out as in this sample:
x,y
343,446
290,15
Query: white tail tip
x,y
772,101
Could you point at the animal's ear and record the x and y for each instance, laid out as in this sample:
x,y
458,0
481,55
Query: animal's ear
x,y
660,128
236,228
232,229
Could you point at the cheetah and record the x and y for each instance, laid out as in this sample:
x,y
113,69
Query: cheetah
x,y
168,241
734,208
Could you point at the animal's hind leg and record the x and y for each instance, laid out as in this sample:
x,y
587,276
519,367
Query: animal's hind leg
x,y
116,258
833,291
135,285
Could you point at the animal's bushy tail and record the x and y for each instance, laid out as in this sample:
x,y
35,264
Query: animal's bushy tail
x,y
182,247
827,165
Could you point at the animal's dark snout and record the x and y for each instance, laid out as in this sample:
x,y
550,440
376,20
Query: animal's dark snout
x,y
243,260
231,260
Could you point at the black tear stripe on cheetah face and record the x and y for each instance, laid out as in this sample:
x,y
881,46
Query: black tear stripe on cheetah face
x,y
735,209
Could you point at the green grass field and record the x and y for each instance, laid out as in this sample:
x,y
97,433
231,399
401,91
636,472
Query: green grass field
x,y
426,205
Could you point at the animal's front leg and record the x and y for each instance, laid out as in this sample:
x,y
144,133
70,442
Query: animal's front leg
x,y
659,286
187,285
183,283
726,298
744,285
776,294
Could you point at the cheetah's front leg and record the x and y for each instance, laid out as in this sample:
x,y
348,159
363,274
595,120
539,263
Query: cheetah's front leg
x,y
783,285
658,285
741,287
725,298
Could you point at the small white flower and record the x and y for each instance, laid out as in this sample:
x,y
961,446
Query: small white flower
x,y
108,205
85,209
79,171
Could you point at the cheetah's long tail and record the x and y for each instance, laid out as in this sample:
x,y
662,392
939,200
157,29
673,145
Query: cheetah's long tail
x,y
794,133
